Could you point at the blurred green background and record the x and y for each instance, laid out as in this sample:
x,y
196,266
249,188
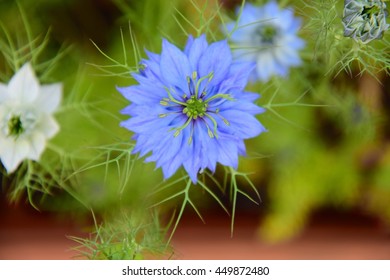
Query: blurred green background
x,y
327,145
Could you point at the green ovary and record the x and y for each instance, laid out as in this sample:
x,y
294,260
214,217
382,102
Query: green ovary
x,y
370,11
267,34
15,126
195,107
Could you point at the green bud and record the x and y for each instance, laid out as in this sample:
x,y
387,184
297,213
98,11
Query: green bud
x,y
364,20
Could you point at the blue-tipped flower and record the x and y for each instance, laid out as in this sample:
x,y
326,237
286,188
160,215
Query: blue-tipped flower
x,y
190,108
267,36
364,20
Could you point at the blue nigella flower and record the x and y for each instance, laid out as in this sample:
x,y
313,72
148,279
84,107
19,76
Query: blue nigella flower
x,y
267,36
190,108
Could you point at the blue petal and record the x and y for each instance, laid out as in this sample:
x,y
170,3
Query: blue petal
x,y
196,50
240,104
153,56
151,70
227,153
237,77
167,148
228,28
174,66
191,171
271,9
144,144
216,59
250,14
170,168
139,110
145,123
241,148
242,124
142,94
196,159
209,150
189,43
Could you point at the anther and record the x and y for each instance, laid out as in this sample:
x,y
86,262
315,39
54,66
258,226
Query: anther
x,y
211,76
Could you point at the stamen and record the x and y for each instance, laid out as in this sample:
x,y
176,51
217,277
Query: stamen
x,y
196,105
163,115
223,118
221,95
190,84
209,77
214,123
211,135
194,75
179,129
172,98
191,134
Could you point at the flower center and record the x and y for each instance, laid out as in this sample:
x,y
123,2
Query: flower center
x,y
195,107
19,123
266,34
15,126
369,11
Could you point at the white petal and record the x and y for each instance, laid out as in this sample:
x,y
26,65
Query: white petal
x,y
265,66
13,153
24,86
3,92
37,145
49,97
48,126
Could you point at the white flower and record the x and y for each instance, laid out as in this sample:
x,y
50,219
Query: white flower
x,y
26,120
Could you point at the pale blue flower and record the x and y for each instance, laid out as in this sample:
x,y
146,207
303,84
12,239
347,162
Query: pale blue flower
x,y
190,109
266,35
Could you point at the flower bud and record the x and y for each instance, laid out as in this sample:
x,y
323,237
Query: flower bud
x,y
364,20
